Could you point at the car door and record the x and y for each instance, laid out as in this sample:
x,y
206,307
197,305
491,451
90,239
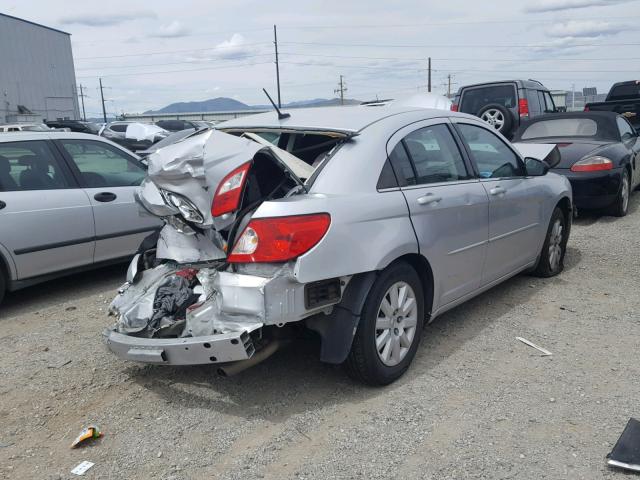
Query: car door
x,y
447,205
631,140
515,202
46,220
110,176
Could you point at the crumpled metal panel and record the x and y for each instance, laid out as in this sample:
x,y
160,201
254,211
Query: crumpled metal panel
x,y
195,166
188,247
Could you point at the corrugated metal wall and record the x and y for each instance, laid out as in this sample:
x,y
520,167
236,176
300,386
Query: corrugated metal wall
x,y
36,70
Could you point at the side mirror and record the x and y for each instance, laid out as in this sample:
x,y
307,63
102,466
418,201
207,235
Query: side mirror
x,y
535,167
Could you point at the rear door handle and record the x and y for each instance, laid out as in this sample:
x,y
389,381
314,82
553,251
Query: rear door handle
x,y
497,190
428,199
2,204
105,197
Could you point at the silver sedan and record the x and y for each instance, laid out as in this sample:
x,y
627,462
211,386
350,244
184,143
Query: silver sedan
x,y
66,204
359,223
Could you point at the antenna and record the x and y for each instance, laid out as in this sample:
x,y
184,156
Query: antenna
x,y
280,114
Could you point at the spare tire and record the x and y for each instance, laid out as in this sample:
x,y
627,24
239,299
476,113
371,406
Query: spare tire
x,y
498,117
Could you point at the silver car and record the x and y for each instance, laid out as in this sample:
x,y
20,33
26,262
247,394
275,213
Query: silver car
x,y
66,203
358,223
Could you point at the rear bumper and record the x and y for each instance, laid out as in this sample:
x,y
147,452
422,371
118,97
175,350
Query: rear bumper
x,y
593,190
220,348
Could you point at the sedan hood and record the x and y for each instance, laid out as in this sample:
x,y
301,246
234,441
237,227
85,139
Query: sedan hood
x,y
572,150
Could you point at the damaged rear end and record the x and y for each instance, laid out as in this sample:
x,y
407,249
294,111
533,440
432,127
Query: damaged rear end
x,y
217,285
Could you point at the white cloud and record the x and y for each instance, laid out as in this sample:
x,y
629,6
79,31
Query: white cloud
x,y
174,29
556,5
233,48
105,20
586,28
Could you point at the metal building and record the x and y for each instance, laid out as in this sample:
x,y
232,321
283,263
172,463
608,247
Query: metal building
x,y
37,77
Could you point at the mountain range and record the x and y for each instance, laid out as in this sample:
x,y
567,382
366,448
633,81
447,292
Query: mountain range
x,y
221,104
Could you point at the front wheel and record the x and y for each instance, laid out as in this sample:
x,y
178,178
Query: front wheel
x,y
555,245
390,327
3,285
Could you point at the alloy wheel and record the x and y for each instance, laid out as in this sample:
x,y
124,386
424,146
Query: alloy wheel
x,y
493,117
396,323
625,193
555,245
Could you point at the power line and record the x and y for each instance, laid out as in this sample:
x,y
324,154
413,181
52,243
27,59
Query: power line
x,y
372,45
165,52
178,71
520,60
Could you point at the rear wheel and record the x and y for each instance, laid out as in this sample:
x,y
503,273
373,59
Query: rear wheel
x,y
621,206
555,244
390,327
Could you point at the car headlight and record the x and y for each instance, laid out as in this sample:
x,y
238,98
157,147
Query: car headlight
x,y
188,210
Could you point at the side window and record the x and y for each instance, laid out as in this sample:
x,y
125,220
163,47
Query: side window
x,y
491,155
534,102
387,177
626,130
435,155
550,106
102,165
402,166
30,166
118,127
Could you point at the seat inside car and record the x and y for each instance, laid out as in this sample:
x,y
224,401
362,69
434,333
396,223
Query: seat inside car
x,y
36,176
7,183
430,165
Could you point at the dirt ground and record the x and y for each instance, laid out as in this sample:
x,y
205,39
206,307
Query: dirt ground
x,y
475,404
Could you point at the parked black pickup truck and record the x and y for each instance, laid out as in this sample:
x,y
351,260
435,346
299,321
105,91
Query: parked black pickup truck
x,y
623,98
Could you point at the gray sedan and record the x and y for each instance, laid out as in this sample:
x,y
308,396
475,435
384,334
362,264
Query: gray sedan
x,y
66,203
358,223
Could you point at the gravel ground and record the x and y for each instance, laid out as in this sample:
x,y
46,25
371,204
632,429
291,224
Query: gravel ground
x,y
475,404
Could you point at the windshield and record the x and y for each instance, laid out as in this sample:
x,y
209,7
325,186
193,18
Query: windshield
x,y
561,127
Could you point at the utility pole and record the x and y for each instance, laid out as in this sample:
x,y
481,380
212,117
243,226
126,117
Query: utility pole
x,y
341,89
573,97
429,77
104,111
82,95
275,43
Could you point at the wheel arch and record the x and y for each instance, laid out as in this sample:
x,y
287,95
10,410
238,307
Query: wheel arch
x,y
423,268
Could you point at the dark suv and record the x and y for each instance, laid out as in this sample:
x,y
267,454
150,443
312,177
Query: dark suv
x,y
504,105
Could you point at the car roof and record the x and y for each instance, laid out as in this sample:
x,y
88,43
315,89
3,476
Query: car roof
x,y
607,128
521,83
346,119
53,135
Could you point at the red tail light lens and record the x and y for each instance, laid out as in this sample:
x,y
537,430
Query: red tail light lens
x,y
229,191
586,108
523,107
454,107
592,164
278,239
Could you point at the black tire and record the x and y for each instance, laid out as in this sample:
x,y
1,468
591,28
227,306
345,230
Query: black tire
x,y
620,206
3,284
364,363
508,124
548,265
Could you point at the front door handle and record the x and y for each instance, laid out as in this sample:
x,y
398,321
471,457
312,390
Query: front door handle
x,y
2,204
105,197
429,198
497,190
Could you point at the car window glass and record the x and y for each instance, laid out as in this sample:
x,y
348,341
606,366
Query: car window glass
x,y
491,155
534,102
475,99
550,107
30,166
561,127
387,178
119,127
435,155
402,166
102,165
626,131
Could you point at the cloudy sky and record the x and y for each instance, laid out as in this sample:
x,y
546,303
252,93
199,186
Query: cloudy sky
x,y
150,54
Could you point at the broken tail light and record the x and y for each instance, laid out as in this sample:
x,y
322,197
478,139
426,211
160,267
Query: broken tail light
x,y
279,239
229,191
592,164
523,107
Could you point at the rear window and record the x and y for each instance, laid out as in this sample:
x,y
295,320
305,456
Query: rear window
x,y
561,127
475,99
625,92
